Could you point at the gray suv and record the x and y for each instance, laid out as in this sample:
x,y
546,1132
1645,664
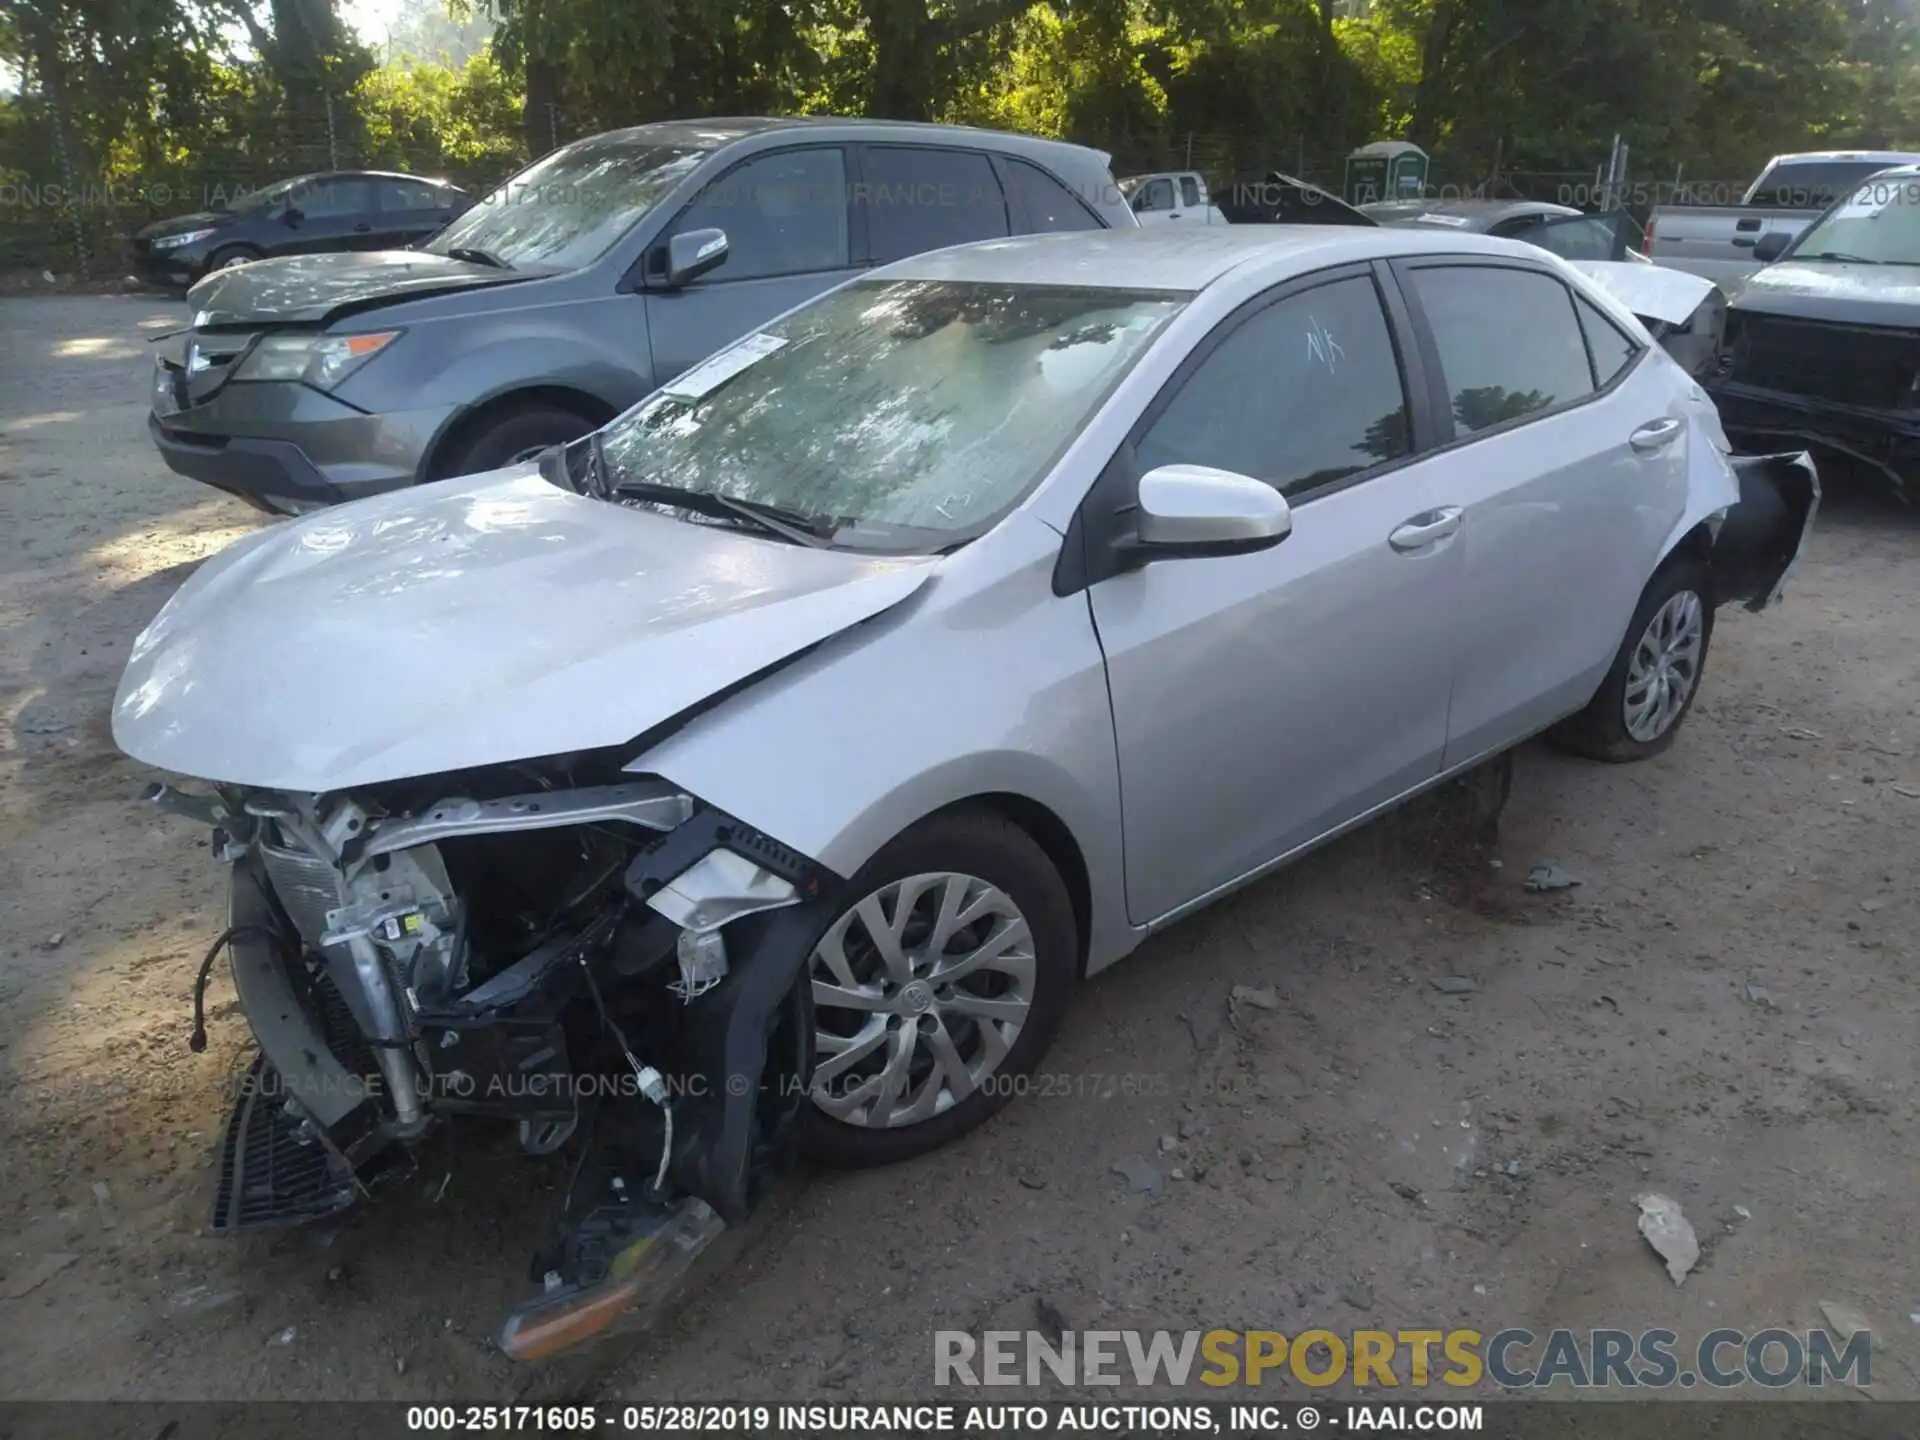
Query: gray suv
x,y
581,285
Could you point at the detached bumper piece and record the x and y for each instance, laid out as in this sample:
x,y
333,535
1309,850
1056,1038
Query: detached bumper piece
x,y
273,1169
1761,538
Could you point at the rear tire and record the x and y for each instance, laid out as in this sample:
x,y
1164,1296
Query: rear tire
x,y
514,435
960,861
1655,678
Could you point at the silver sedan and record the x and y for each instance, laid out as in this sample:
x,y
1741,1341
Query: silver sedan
x,y
975,621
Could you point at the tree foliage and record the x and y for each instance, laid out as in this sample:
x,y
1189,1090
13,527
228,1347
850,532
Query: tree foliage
x,y
128,101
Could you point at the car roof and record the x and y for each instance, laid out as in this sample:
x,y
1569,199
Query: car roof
x,y
1164,258
1815,157
1478,213
713,132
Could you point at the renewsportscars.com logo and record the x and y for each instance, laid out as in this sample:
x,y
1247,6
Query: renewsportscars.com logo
x,y
1514,1359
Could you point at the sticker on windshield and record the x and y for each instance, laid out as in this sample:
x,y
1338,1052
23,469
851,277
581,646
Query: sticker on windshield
x,y
713,372
1454,220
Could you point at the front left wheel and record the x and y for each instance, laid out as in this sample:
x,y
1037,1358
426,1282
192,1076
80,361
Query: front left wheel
x,y
937,988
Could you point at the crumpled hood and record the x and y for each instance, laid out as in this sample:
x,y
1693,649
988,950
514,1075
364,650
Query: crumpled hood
x,y
473,622
1830,290
307,289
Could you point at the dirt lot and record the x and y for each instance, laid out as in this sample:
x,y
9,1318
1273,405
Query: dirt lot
x,y
1371,1152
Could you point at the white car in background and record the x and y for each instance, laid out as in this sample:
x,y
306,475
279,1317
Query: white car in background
x,y
1169,195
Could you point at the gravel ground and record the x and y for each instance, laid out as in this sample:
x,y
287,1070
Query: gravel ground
x,y
1723,1011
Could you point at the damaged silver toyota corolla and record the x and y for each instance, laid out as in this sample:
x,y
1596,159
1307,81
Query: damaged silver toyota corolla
x,y
764,771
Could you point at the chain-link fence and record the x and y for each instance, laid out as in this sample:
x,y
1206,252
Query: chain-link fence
x,y
68,210
58,213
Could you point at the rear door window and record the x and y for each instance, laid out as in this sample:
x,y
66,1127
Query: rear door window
x,y
1041,203
919,199
1189,191
1510,344
1611,349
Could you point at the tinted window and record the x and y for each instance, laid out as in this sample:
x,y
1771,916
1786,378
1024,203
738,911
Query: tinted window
x,y
1301,394
920,200
331,199
1575,237
1157,195
1612,351
784,214
409,195
1189,191
1048,204
1509,343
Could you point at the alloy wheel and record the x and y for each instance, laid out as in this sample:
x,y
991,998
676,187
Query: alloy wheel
x,y
1665,667
919,992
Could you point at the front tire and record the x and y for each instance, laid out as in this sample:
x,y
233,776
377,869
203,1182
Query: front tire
x,y
940,984
1656,676
506,439
230,256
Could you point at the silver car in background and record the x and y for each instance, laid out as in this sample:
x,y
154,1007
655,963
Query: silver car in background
x,y
791,747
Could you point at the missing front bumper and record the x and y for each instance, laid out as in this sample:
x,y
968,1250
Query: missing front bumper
x,y
1885,441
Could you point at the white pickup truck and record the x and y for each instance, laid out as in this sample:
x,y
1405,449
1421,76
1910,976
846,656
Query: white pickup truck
x,y
1169,195
1727,243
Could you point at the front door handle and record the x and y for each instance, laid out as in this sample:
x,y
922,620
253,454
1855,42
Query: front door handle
x,y
1426,529
1656,433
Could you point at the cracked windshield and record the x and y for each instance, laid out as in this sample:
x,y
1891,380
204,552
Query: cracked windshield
x,y
907,416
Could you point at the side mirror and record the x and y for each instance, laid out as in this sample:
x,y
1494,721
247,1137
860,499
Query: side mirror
x,y
1198,510
693,254
292,216
1771,247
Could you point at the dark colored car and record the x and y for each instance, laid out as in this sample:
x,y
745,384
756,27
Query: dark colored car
x,y
307,215
1823,343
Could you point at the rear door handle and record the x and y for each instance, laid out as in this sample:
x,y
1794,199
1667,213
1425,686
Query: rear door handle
x,y
1656,433
1744,242
1426,529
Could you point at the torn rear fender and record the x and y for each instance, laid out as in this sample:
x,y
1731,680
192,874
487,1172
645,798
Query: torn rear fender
x,y
1760,539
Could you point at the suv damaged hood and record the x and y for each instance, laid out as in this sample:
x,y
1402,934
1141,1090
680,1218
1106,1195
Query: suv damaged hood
x,y
474,622
309,289
1846,294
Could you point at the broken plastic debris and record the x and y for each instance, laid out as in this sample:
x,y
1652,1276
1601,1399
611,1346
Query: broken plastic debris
x,y
1844,1320
1759,996
1265,998
1455,985
1548,876
1669,1233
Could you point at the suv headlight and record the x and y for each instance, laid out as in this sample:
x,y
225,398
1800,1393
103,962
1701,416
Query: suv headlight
x,y
174,242
321,361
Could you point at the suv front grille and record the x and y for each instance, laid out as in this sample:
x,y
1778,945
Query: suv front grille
x,y
1851,364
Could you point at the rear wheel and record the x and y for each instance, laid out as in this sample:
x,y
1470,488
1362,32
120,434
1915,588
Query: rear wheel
x,y
1655,677
936,988
511,437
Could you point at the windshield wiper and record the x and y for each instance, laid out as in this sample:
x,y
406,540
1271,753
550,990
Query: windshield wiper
x,y
775,520
1842,257
476,257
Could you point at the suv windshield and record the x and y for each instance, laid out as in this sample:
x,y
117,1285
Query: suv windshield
x,y
567,209
904,416
1878,224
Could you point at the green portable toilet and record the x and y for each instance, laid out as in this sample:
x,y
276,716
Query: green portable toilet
x,y
1386,170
